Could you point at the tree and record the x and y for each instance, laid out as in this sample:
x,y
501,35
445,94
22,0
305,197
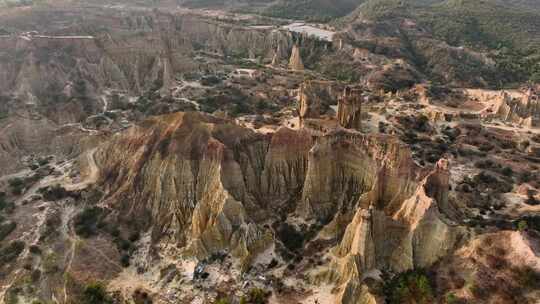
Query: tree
x,y
411,287
17,185
522,225
96,293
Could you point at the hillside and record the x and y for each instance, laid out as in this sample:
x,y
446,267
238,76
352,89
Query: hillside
x,y
14,3
507,31
312,9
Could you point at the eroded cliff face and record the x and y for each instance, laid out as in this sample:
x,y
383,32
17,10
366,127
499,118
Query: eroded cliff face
x,y
524,110
350,108
213,178
295,62
58,79
315,99
309,103
139,51
207,185
407,234
346,164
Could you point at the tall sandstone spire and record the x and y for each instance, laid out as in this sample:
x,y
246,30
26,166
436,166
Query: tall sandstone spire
x,y
295,63
275,59
350,109
309,104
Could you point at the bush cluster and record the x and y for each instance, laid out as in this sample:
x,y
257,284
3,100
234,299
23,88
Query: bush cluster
x,y
96,293
11,252
411,287
86,223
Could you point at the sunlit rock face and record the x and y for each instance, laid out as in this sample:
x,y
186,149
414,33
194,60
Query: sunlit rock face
x,y
210,185
56,81
408,232
523,110
295,62
216,181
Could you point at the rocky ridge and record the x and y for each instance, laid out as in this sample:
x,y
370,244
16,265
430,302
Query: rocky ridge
x,y
218,184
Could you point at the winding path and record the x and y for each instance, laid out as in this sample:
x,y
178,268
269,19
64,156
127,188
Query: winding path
x,y
92,176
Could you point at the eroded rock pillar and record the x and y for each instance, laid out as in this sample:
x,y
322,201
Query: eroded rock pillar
x,y
350,108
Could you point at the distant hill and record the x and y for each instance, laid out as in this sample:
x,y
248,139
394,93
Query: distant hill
x,y
313,9
15,3
507,30
483,23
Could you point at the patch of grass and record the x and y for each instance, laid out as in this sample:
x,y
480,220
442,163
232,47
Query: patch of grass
x,y
451,298
522,225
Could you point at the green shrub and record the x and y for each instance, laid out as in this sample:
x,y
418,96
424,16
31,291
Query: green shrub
x,y
35,249
43,161
11,252
6,229
257,296
16,182
522,225
6,206
528,222
11,296
35,275
291,238
134,236
124,245
50,263
222,301
95,293
124,260
17,185
114,231
451,298
411,287
87,221
54,193
507,171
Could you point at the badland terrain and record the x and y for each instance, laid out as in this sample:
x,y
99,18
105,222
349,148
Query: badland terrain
x,y
291,151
